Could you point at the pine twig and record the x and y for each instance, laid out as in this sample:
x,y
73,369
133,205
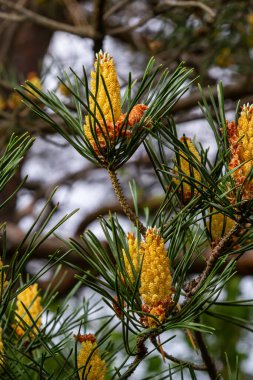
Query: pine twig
x,y
196,285
140,354
123,202
215,254
210,365
196,367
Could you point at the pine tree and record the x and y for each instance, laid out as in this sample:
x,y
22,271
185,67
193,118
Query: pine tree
x,y
142,275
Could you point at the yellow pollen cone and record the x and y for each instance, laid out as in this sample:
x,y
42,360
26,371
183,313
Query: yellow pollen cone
x,y
30,299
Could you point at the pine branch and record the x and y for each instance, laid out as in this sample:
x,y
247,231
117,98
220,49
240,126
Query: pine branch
x,y
123,202
210,365
140,354
196,367
196,284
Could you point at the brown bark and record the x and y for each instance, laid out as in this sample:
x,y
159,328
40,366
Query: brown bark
x,y
15,236
23,49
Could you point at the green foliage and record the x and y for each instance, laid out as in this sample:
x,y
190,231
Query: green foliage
x,y
13,154
183,224
158,90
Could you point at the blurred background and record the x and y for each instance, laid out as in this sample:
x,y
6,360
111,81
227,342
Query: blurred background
x,y
41,39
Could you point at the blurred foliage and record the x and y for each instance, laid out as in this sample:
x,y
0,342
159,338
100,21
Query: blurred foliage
x,y
224,40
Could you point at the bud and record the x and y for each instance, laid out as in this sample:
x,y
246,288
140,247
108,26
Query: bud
x,y
95,366
30,300
186,169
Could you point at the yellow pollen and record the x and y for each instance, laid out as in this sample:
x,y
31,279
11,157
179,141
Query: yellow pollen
x,y
95,366
103,67
241,146
220,226
32,302
186,169
156,280
132,260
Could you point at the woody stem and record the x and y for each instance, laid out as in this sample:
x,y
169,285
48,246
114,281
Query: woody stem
x,y
141,352
123,202
207,358
214,257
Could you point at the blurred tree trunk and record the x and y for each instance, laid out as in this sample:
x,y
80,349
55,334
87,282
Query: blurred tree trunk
x,y
23,47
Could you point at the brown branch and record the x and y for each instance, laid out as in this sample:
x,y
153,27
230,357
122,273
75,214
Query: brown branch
x,y
123,202
192,287
234,91
215,255
140,355
82,31
16,235
8,32
11,17
153,205
161,8
126,29
189,4
210,365
92,216
76,11
196,367
98,24
115,8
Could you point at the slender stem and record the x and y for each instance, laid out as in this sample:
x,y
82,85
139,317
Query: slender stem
x,y
210,365
215,254
196,367
140,354
196,284
123,202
